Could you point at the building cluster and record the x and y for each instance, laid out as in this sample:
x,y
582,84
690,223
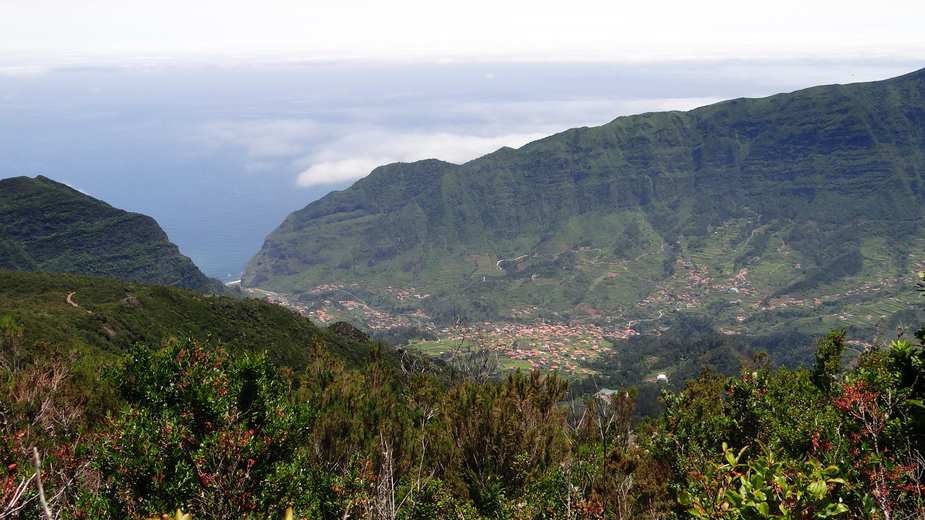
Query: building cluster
x,y
566,348
698,284
404,294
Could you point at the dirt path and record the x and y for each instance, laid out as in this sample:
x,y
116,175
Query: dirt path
x,y
513,260
72,302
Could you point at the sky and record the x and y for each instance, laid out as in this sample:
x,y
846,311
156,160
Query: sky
x,y
220,118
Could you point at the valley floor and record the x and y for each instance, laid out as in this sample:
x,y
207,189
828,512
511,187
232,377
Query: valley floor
x,y
531,342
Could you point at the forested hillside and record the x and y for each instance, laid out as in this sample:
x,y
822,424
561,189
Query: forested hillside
x,y
199,427
48,226
104,317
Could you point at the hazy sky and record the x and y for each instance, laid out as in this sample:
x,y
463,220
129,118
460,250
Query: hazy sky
x,y
219,118
479,29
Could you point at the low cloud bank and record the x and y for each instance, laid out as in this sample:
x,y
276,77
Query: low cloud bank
x,y
354,156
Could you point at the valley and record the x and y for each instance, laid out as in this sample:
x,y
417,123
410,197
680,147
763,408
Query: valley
x,y
528,323
746,216
626,321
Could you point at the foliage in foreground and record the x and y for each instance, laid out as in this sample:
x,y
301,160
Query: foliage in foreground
x,y
220,433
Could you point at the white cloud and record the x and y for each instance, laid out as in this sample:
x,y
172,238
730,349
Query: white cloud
x,y
356,155
260,140
23,71
338,171
370,134
343,152
345,130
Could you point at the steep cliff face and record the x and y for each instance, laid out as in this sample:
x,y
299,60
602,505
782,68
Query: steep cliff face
x,y
817,168
48,226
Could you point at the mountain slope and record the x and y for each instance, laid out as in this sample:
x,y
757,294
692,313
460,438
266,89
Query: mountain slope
x,y
48,226
827,184
106,316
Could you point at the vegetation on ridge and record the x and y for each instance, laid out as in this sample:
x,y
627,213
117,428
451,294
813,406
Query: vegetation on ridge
x,y
221,433
256,412
48,226
105,318
739,206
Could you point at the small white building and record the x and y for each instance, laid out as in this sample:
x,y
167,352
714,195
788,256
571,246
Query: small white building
x,y
661,378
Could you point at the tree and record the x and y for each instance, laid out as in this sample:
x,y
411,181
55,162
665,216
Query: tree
x,y
506,435
828,360
204,430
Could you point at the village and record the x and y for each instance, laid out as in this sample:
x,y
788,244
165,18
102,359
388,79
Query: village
x,y
530,341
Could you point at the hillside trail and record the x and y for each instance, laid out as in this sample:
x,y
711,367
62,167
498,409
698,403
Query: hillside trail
x,y
69,299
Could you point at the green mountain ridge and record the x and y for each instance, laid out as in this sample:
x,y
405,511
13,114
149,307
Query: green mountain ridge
x,y
49,226
107,317
813,194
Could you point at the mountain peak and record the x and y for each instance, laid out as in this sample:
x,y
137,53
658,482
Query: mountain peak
x,y
49,226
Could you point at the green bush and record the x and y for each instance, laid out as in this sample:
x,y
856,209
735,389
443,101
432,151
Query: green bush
x,y
204,430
